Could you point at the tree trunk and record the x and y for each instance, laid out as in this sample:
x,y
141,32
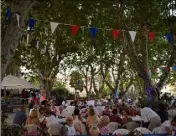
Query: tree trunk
x,y
12,34
46,86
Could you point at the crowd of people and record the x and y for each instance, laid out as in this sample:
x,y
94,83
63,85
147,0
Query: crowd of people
x,y
93,117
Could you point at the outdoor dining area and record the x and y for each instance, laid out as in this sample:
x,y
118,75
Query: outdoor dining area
x,y
71,118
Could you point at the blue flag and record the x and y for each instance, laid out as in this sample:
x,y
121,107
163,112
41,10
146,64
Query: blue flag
x,y
169,37
93,31
116,95
149,93
32,23
174,68
9,15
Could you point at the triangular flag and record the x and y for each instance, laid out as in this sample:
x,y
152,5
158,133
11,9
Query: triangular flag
x,y
174,68
171,69
167,69
133,35
32,23
75,29
169,37
53,26
151,36
115,33
37,44
9,15
93,32
28,38
18,19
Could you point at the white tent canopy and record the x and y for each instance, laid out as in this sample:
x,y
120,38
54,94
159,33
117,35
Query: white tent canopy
x,y
12,82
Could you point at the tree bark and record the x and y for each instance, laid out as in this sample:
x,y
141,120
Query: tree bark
x,y
12,34
46,86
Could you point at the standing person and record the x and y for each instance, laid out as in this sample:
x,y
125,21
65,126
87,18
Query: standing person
x,y
151,117
20,116
162,112
42,96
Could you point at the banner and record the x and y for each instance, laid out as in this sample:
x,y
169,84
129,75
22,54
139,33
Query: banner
x,y
53,26
93,32
115,34
132,35
37,44
75,29
9,15
151,36
18,19
32,23
169,37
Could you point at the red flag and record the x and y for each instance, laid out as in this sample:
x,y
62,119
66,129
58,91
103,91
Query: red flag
x,y
167,69
75,29
151,36
115,33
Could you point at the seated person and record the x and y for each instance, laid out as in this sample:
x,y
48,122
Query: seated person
x,y
125,117
62,113
169,127
79,126
106,111
33,118
50,119
20,116
114,117
92,118
103,126
70,128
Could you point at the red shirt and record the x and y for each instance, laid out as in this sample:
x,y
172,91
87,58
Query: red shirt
x,y
115,118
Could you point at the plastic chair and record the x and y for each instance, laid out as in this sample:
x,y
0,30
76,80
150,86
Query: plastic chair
x,y
143,130
121,132
54,129
131,126
156,130
113,126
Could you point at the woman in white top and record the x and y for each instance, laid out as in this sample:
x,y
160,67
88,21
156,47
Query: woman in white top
x,y
70,128
79,126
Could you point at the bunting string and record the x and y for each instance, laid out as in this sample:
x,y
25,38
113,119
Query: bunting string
x,y
93,31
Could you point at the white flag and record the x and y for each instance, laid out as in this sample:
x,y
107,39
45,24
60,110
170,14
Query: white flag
x,y
28,38
53,26
37,44
45,49
18,19
133,35
171,69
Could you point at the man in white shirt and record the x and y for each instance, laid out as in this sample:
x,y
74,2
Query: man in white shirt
x,y
151,117
169,127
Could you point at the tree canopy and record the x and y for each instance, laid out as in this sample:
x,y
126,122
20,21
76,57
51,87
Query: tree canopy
x,y
124,60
